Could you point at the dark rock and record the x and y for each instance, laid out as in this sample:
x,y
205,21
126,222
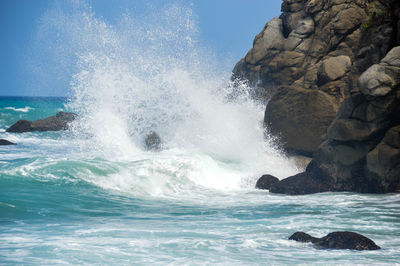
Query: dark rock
x,y
66,116
299,184
6,142
153,141
317,55
361,152
337,240
266,181
302,237
21,126
53,123
299,117
383,162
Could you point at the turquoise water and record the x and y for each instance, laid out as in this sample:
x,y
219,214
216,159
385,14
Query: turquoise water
x,y
95,195
64,203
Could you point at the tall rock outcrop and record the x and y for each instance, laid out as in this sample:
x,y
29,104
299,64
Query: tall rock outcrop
x,y
333,70
362,149
310,59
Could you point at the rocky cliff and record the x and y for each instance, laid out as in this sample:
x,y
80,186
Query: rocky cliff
x,y
330,70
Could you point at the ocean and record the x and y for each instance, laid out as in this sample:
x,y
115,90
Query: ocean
x,y
94,194
67,199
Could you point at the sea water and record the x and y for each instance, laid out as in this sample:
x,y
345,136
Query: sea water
x,y
95,195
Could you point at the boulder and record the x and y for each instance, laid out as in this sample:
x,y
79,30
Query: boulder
x,y
6,142
299,117
299,184
53,123
380,79
269,39
334,68
361,151
153,141
316,56
352,129
383,162
337,240
266,181
21,126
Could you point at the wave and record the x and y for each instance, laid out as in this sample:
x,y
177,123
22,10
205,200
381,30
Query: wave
x,y
148,74
24,110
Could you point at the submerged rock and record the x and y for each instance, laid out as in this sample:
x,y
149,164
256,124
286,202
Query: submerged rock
x,y
6,142
53,123
266,181
153,141
337,240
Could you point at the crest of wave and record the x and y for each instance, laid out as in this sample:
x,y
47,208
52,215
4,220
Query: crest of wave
x,y
150,74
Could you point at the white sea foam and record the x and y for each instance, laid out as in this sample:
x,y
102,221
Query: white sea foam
x,y
24,110
135,77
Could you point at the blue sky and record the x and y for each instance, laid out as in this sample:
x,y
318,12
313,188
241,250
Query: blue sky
x,y
227,27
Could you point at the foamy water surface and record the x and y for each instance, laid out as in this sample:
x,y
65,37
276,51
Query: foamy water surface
x,y
95,195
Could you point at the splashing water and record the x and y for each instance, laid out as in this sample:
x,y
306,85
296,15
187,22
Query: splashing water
x,y
138,77
95,195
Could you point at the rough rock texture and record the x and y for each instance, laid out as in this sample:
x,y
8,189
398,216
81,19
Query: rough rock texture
x,y
299,117
6,142
266,181
320,47
326,54
362,149
337,240
53,123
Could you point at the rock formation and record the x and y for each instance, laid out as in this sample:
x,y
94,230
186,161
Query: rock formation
x,y
333,70
310,59
337,240
53,123
362,148
4,142
153,141
266,181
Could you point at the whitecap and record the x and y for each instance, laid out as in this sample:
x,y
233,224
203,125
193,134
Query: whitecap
x,y
24,110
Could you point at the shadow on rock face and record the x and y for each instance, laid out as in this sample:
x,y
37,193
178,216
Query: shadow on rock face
x,y
153,141
337,240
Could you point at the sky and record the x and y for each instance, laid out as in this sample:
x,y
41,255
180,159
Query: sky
x,y
226,27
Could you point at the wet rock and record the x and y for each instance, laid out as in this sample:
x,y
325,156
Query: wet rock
x,y
153,141
21,126
337,240
266,181
302,237
6,142
299,184
53,123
